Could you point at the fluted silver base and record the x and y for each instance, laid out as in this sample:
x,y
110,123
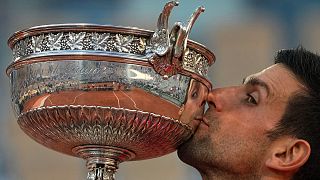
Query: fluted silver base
x,y
102,161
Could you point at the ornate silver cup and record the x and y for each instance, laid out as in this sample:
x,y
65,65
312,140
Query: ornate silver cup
x,y
109,94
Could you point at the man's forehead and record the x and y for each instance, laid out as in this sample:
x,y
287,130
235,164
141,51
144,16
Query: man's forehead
x,y
258,74
279,78
271,68
274,70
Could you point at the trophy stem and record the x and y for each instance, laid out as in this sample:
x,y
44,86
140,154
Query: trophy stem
x,y
102,161
101,172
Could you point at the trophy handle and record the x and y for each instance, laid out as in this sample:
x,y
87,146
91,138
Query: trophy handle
x,y
159,42
166,51
183,33
194,17
164,16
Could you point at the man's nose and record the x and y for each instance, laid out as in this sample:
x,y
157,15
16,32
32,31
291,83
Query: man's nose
x,y
221,98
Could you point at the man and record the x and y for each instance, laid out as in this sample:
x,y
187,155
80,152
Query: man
x,y
266,128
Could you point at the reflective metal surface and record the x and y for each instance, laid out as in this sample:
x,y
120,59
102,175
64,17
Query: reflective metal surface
x,y
109,94
66,128
96,83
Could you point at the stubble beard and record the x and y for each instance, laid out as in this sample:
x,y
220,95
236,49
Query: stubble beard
x,y
208,154
211,162
197,151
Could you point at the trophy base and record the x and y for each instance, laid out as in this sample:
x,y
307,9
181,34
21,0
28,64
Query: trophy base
x,y
102,161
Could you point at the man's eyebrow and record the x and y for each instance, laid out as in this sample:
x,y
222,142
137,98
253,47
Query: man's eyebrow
x,y
254,81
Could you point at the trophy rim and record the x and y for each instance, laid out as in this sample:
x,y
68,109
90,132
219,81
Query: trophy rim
x,y
88,27
100,56
35,30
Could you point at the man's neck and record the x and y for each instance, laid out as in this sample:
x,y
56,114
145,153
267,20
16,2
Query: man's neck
x,y
216,175
221,175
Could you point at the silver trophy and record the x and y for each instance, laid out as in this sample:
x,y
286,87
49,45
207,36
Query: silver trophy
x,y
109,94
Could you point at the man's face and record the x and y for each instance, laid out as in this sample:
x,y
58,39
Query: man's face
x,y
232,136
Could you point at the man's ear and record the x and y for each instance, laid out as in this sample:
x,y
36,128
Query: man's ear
x,y
288,155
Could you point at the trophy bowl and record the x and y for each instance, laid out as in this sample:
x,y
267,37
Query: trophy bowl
x,y
109,94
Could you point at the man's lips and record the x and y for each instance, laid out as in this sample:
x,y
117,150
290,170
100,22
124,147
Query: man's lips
x,y
205,121
202,120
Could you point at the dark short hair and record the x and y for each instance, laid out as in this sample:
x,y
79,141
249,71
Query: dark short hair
x,y
301,118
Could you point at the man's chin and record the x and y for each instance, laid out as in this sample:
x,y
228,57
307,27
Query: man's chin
x,y
194,150
185,151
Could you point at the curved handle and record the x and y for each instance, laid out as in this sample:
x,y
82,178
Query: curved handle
x,y
167,50
183,33
164,16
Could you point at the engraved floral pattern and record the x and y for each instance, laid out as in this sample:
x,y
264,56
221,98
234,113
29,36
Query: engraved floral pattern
x,y
201,65
123,42
75,40
195,62
17,51
24,48
37,43
54,41
79,41
101,41
189,57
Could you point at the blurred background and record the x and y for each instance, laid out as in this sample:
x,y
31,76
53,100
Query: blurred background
x,y
243,34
